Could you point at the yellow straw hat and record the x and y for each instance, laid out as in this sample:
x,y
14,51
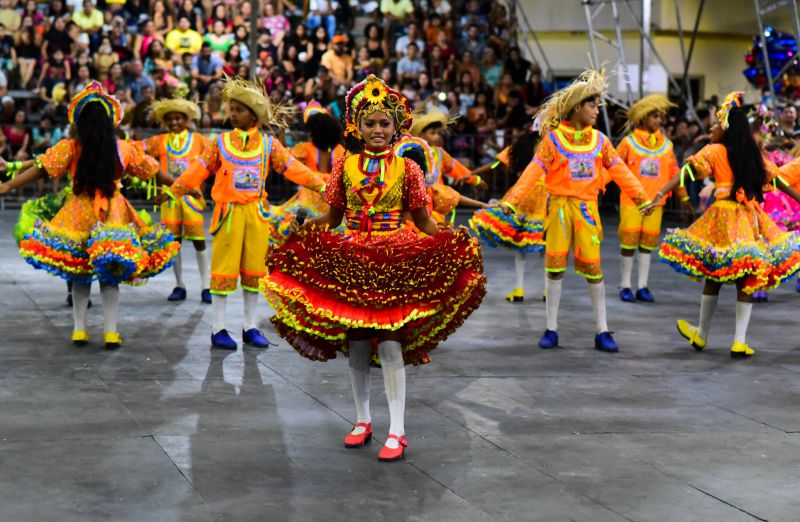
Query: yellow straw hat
x,y
648,105
163,107
558,106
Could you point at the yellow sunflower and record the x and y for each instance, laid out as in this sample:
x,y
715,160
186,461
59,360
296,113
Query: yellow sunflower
x,y
375,92
351,129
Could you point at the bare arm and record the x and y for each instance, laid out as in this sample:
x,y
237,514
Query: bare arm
x,y
29,176
424,222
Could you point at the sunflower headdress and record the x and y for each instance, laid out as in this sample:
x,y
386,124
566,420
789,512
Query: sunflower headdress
x,y
163,107
253,96
558,106
648,105
94,93
733,99
373,95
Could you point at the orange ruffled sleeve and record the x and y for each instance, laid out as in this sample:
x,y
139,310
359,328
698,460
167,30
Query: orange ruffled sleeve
x,y
58,158
140,164
335,193
415,191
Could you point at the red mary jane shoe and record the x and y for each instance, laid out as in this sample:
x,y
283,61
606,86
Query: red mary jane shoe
x,y
356,441
388,454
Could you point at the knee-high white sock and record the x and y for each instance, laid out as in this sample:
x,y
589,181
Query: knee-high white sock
x,y
708,304
394,379
110,296
553,289
519,266
218,310
80,302
250,303
598,293
359,377
202,267
178,269
742,319
625,269
644,269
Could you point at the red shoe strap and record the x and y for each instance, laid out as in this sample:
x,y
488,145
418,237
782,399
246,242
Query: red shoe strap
x,y
367,425
399,438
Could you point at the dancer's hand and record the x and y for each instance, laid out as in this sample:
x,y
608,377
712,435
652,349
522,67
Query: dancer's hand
x,y
707,191
444,225
161,198
648,209
506,209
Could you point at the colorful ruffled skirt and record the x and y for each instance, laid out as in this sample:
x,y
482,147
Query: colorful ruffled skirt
x,y
731,241
77,246
522,231
783,210
322,284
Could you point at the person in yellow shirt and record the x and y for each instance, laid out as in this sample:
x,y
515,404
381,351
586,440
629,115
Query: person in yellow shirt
x,y
576,162
89,19
241,160
648,154
184,39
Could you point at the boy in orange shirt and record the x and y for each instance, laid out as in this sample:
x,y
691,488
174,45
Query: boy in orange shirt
x,y
648,154
577,162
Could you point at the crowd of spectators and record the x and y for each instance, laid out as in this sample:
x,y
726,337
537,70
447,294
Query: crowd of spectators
x,y
457,56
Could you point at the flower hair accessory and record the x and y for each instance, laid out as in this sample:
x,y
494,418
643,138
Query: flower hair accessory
x,y
94,93
373,95
733,99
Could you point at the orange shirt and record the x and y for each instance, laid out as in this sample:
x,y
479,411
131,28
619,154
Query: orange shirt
x,y
175,151
712,162
306,153
576,164
241,161
651,159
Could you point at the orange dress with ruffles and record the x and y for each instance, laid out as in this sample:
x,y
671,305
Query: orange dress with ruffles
x,y
378,274
734,238
94,237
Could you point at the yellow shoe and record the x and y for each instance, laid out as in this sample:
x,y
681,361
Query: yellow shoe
x,y
741,351
690,333
80,337
112,340
517,296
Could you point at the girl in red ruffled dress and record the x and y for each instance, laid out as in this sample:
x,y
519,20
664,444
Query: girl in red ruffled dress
x,y
379,292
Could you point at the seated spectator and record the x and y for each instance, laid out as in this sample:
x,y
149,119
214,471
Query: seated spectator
x,y
364,65
317,46
473,43
411,36
136,81
534,92
446,46
491,69
89,19
183,69
432,29
503,89
57,38
441,8
183,39
114,82
232,61
376,45
264,44
219,38
409,67
338,62
45,135
27,44
397,11
146,36
192,12
140,117
277,24
436,65
219,14
18,136
512,113
165,82
215,108
104,58
473,15
8,55
56,70
9,16
206,68
241,37
321,87
298,38
81,80
322,13
292,65
517,66
478,115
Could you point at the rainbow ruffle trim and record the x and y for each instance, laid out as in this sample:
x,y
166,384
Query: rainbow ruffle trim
x,y
161,248
514,232
763,267
60,252
116,253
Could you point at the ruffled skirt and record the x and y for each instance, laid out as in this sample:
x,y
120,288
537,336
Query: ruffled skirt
x,y
75,245
522,231
322,284
731,241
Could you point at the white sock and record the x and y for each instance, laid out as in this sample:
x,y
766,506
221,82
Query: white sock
x,y
644,269
519,266
110,296
178,269
202,267
394,379
218,310
250,303
80,302
742,319
553,289
708,303
359,377
598,293
625,269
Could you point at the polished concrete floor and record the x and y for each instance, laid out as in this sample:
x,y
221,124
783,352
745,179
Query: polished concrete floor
x,y
165,429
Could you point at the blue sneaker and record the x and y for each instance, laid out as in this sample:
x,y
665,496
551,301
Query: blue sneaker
x,y
178,294
205,296
254,337
797,285
643,294
626,294
223,340
549,340
760,296
605,343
